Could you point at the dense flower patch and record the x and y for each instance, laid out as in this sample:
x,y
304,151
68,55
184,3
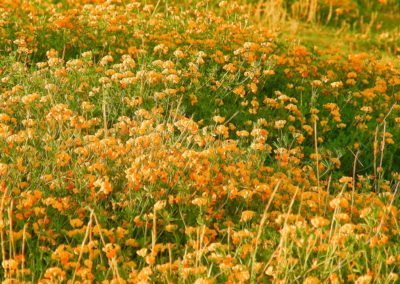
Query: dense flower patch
x,y
182,143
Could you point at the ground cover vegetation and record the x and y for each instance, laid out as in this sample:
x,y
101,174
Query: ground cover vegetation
x,y
198,142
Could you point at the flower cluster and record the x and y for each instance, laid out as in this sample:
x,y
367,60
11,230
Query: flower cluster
x,y
181,143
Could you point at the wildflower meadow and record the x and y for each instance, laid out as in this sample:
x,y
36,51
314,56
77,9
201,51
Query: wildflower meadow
x,y
199,141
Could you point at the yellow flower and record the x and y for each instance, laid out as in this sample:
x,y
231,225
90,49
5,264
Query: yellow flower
x,y
111,250
76,223
171,227
239,91
200,201
311,280
247,215
142,252
104,184
319,221
160,205
279,124
339,202
365,279
219,119
63,159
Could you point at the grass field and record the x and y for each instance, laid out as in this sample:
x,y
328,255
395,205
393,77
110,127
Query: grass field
x,y
199,141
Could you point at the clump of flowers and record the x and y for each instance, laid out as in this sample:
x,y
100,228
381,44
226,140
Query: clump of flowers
x,y
167,143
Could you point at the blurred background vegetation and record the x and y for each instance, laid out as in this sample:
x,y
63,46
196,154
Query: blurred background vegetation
x,y
364,25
